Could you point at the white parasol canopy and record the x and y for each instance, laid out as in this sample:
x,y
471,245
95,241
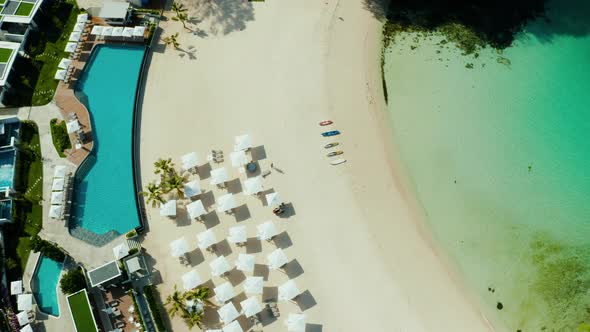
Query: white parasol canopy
x,y
78,27
24,302
189,160
26,328
288,291
219,176
121,250
192,188
273,199
243,143
71,47
59,171
196,209
64,63
58,184
82,17
97,30
60,74
237,234
267,230
73,126
253,185
106,31
16,287
225,203
253,285
219,266
238,158
55,211
245,262
178,247
191,280
295,323
23,318
206,239
250,307
168,209
138,31
128,32
224,292
276,259
232,327
75,36
57,197
228,313
117,32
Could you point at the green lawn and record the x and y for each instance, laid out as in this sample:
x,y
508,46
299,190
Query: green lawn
x,y
24,9
5,54
80,309
60,137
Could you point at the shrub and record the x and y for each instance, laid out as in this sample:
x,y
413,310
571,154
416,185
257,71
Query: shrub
x,y
60,137
47,248
133,251
131,234
72,281
149,292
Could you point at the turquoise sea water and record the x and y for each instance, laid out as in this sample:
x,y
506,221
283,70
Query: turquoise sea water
x,y
46,278
105,194
499,159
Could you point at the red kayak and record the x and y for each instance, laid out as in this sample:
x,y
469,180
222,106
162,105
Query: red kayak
x,y
325,123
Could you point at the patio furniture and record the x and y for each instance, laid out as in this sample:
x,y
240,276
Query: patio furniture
x,y
120,324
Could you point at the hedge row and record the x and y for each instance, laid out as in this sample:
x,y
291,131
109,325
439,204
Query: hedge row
x,y
149,292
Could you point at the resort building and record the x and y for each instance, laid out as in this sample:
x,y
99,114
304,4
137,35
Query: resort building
x,y
9,131
112,12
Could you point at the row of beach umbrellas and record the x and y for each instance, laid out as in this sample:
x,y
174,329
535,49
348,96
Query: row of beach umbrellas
x,y
129,32
57,192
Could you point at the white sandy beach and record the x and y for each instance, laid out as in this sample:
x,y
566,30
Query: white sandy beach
x,y
274,70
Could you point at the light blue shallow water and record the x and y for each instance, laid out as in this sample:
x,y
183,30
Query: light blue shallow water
x,y
499,158
46,278
105,196
6,168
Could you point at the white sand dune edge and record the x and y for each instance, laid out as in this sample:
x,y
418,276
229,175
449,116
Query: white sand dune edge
x,y
363,258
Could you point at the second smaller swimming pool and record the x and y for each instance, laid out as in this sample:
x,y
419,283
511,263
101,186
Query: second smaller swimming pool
x,y
46,278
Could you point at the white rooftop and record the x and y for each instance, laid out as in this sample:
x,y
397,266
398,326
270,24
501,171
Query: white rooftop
x,y
114,10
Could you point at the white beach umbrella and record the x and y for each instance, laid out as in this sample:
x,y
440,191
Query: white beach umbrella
x,y
228,313
267,230
57,197
253,285
168,209
219,266
295,323
64,63
26,328
219,176
72,126
245,262
206,239
78,27
178,247
192,188
288,291
59,171
117,32
191,280
55,211
273,199
106,31
196,209
238,158
127,32
237,234
276,259
58,184
82,17
189,161
242,143
121,250
75,36
16,287
24,302
224,292
97,30
250,307
71,47
60,74
23,318
138,31
233,327
225,203
253,185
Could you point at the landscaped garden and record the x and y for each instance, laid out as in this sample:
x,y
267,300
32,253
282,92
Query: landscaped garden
x,y
5,54
81,312
60,137
24,9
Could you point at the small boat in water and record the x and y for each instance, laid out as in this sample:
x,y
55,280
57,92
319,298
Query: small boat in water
x,y
335,153
326,122
338,162
331,145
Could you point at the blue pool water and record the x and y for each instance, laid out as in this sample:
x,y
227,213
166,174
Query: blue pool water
x,y
6,168
46,278
104,191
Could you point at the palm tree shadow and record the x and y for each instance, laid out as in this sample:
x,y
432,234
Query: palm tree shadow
x,y
224,16
190,52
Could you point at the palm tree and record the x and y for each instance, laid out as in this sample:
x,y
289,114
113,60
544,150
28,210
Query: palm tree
x,y
200,293
153,194
175,304
172,40
175,182
164,166
177,7
182,18
193,319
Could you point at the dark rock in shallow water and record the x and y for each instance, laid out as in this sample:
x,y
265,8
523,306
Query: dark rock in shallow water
x,y
500,306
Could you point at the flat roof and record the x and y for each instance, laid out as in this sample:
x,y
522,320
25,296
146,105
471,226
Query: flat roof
x,y
19,11
104,273
8,52
81,313
114,9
